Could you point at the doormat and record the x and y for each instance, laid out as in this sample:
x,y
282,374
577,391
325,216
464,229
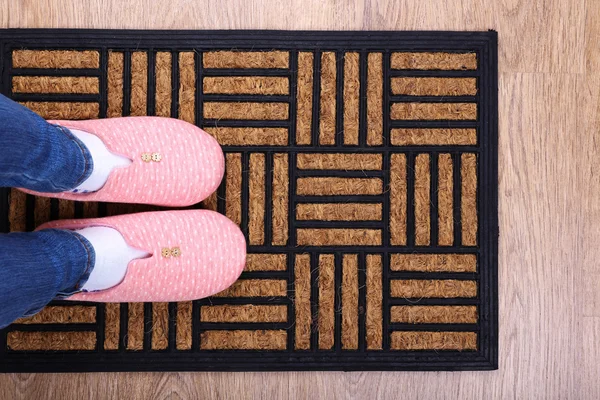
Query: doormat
x,y
362,167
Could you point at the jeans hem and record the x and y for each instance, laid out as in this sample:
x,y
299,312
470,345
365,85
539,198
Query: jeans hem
x,y
91,260
87,156
91,256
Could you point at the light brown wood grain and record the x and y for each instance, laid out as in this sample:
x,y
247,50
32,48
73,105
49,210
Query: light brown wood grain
x,y
540,234
589,115
549,58
541,36
588,274
4,6
587,357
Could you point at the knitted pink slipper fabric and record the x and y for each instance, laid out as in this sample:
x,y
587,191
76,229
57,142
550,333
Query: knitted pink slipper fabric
x,y
191,162
212,255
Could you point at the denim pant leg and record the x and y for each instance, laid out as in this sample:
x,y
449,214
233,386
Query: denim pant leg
x,y
36,267
37,155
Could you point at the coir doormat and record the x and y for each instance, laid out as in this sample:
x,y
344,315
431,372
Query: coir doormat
x,y
362,167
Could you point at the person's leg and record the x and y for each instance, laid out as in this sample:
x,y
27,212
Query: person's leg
x,y
37,155
38,266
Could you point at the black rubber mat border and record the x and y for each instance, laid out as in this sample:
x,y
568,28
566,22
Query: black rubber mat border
x,y
485,358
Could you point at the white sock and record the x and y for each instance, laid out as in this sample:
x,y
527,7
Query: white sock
x,y
112,256
104,162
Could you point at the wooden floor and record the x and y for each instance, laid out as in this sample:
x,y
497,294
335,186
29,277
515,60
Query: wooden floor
x,y
549,195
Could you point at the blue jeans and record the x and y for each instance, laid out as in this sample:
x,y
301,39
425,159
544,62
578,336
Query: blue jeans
x,y
36,267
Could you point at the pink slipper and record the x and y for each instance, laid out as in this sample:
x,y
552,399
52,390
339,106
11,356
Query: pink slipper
x,y
194,254
174,162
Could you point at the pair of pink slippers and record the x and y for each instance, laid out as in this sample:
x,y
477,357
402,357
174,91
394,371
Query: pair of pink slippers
x,y
194,253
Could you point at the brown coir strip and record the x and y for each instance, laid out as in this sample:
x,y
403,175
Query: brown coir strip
x,y
422,200
251,111
440,61
244,340
434,86
16,210
128,208
434,262
434,288
135,326
350,302
338,212
338,186
265,85
249,136
114,106
160,326
55,59
139,83
326,317
244,313
468,204
339,161
398,202
162,106
210,203
339,237
351,98
304,98
24,341
434,111
374,99
61,315
416,340
327,127
256,212
302,301
55,84
266,262
280,196
434,314
112,326
445,201
246,59
233,187
90,209
183,332
187,87
255,288
374,313
41,212
63,110
433,136
66,209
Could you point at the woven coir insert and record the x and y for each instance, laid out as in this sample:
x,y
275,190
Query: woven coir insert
x,y
360,166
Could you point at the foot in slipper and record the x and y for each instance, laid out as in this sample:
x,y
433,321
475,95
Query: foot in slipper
x,y
172,255
148,160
